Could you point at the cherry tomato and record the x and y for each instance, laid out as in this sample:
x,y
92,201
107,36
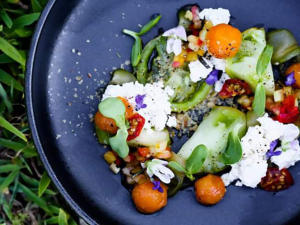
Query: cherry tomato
x,y
148,200
129,109
276,180
105,123
136,123
234,87
210,189
288,111
296,69
144,152
223,41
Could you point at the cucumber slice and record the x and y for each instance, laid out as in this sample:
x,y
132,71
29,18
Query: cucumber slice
x,y
121,76
243,64
150,138
213,132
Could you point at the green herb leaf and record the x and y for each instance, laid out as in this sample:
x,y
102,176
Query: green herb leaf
x,y
11,51
195,161
136,48
114,108
8,126
149,25
233,152
62,217
259,101
264,60
6,19
176,166
26,20
44,183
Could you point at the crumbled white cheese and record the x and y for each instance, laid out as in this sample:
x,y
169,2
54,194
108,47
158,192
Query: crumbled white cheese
x,y
255,144
219,84
174,46
172,122
219,64
216,16
158,107
198,71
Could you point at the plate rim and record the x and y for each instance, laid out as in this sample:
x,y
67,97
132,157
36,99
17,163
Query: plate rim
x,y
30,113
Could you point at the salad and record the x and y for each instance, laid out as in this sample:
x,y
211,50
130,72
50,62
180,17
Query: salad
x,y
233,93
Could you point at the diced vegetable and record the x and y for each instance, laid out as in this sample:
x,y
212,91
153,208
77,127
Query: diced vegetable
x,y
285,45
121,76
182,20
109,157
114,168
243,64
276,180
136,124
234,87
213,132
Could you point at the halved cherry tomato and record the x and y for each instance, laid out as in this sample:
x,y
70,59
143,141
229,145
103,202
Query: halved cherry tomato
x,y
288,111
234,87
144,152
136,123
105,123
129,109
276,180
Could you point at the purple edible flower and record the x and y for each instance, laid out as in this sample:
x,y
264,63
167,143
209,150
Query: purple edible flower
x,y
213,77
290,79
139,100
271,152
157,186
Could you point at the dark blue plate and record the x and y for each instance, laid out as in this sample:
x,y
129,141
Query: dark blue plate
x,y
76,45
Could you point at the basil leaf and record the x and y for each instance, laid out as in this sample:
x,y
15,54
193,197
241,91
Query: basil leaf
x,y
176,166
264,60
119,144
195,161
113,108
233,152
259,101
136,48
149,25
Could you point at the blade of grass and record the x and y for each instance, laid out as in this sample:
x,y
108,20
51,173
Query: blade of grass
x,y
5,59
62,217
8,168
8,180
6,19
5,99
52,220
11,51
44,183
11,144
7,210
29,180
8,126
33,197
14,191
26,20
36,6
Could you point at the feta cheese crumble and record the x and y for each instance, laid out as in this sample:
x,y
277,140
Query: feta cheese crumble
x,y
175,37
256,143
219,84
198,70
156,98
216,16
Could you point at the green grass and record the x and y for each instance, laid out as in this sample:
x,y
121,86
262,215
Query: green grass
x,y
26,193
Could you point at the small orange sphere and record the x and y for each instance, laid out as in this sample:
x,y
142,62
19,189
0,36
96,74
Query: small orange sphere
x,y
296,69
105,123
148,200
210,189
223,41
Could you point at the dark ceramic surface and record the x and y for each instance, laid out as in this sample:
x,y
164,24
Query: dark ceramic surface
x,y
74,38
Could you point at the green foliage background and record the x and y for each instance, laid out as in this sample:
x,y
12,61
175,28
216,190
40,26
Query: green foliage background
x,y
26,193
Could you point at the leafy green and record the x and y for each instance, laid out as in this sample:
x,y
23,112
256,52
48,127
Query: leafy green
x,y
136,48
8,126
259,101
114,108
195,161
176,166
6,19
233,152
26,20
147,27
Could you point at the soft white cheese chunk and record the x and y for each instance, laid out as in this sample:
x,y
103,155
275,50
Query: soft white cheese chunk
x,y
256,143
219,64
175,37
198,71
172,122
219,84
156,98
216,16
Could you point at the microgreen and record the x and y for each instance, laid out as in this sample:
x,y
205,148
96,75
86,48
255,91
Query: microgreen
x,y
259,101
233,152
147,27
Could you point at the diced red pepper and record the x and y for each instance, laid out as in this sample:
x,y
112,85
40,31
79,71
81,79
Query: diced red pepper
x,y
195,12
144,152
136,123
176,64
288,111
276,180
234,87
200,42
